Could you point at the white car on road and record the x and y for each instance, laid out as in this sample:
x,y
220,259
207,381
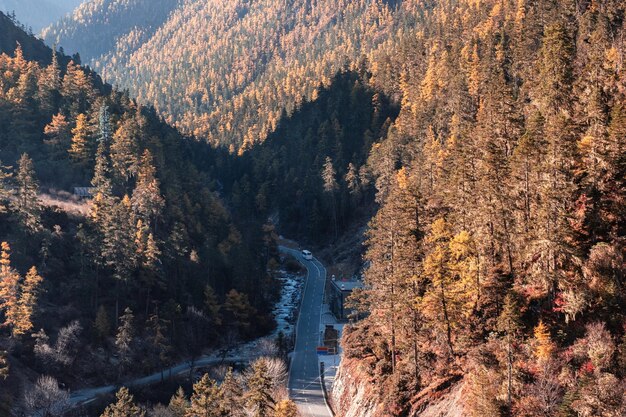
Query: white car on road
x,y
307,255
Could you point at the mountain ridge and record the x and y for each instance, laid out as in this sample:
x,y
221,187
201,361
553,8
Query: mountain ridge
x,y
238,65
38,14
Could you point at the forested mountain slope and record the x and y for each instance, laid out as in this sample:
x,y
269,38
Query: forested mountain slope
x,y
37,14
311,173
154,258
33,49
227,70
497,256
99,27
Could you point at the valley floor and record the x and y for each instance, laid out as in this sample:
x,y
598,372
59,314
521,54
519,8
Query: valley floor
x,y
284,313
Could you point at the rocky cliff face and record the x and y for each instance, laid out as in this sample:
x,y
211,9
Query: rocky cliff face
x,y
355,395
352,391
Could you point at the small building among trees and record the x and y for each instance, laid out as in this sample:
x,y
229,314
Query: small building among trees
x,y
84,192
339,292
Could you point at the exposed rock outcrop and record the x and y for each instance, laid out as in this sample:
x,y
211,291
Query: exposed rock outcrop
x,y
355,394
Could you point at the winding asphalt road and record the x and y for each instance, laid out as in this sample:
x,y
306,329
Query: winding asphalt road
x,y
305,387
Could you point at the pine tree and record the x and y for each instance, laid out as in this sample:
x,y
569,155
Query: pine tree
x,y
616,172
329,177
50,85
510,324
80,148
352,179
4,365
124,406
439,300
206,399
76,90
286,408
527,160
232,394
159,340
544,346
118,250
26,203
178,403
27,302
238,311
58,134
259,394
6,191
124,149
124,338
149,254
104,133
9,289
102,324
101,180
393,277
212,306
498,127
464,267
147,201
555,67
557,188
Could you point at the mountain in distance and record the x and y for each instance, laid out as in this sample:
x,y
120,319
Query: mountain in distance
x,y
226,71
38,14
97,27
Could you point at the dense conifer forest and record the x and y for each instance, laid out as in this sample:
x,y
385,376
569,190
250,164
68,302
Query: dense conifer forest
x,y
496,256
476,146
151,267
226,71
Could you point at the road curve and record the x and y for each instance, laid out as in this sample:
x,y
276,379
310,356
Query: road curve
x,y
305,387
304,374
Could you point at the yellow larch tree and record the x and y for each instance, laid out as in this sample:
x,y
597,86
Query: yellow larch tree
x,y
9,288
27,302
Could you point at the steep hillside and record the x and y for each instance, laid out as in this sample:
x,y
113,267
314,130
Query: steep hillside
x,y
227,70
154,251
498,253
99,27
310,173
37,14
12,35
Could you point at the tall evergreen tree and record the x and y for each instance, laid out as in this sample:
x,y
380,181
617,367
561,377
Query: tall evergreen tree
x,y
510,323
4,365
329,177
286,408
9,289
233,396
124,149
206,399
124,339
259,394
80,148
147,200
6,191
58,135
104,133
50,85
26,202
124,406
76,90
178,403
28,301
